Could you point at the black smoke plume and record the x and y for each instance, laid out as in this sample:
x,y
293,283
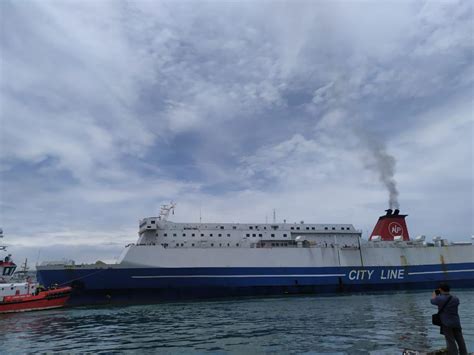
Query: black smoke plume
x,y
384,164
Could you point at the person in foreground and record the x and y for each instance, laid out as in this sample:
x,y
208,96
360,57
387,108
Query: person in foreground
x,y
450,322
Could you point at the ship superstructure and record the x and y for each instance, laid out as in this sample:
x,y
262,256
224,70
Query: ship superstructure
x,y
192,260
7,266
153,231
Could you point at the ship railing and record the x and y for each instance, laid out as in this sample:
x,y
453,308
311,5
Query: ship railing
x,y
308,245
396,244
58,262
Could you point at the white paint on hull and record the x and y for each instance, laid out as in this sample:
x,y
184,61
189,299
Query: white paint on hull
x,y
234,276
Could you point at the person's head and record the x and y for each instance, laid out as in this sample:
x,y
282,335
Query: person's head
x,y
444,287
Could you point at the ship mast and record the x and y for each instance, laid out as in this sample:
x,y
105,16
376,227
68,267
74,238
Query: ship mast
x,y
165,211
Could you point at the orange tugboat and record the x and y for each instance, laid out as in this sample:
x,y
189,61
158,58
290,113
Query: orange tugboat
x,y
29,297
26,296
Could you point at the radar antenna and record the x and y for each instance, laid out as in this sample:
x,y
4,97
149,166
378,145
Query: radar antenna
x,y
165,211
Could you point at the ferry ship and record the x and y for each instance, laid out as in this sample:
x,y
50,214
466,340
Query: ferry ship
x,y
173,261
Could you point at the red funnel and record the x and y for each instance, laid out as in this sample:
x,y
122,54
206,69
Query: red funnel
x,y
390,226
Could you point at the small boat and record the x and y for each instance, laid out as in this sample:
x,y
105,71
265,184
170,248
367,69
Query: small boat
x,y
26,296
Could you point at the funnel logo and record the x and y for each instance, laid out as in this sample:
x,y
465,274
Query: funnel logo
x,y
395,229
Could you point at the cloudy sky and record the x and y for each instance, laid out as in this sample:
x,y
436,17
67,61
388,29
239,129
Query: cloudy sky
x,y
312,108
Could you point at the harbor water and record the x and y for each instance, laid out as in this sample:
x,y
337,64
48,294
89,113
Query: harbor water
x,y
338,324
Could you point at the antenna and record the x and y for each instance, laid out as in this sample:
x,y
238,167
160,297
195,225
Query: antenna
x,y
274,216
2,247
37,258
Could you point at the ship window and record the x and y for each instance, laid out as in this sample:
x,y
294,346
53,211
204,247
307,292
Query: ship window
x,y
228,244
250,227
264,227
222,227
273,235
177,244
307,228
174,234
313,228
247,235
284,235
292,228
212,244
273,244
184,234
192,244
298,228
333,228
220,244
234,227
326,228
182,244
342,228
152,222
236,244
193,235
202,235
254,235
228,235
166,234
219,235
260,235
210,235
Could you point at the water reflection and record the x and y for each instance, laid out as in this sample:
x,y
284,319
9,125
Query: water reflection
x,y
349,324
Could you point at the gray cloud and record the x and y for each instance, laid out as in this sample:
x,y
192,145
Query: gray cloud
x,y
110,108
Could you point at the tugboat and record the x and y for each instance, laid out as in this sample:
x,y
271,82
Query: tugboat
x,y
26,296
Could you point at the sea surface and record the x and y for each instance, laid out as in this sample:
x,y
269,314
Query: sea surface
x,y
374,323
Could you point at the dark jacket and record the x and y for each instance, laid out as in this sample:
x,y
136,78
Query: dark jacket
x,y
449,315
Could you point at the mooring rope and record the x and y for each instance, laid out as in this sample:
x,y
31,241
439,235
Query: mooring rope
x,y
82,277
